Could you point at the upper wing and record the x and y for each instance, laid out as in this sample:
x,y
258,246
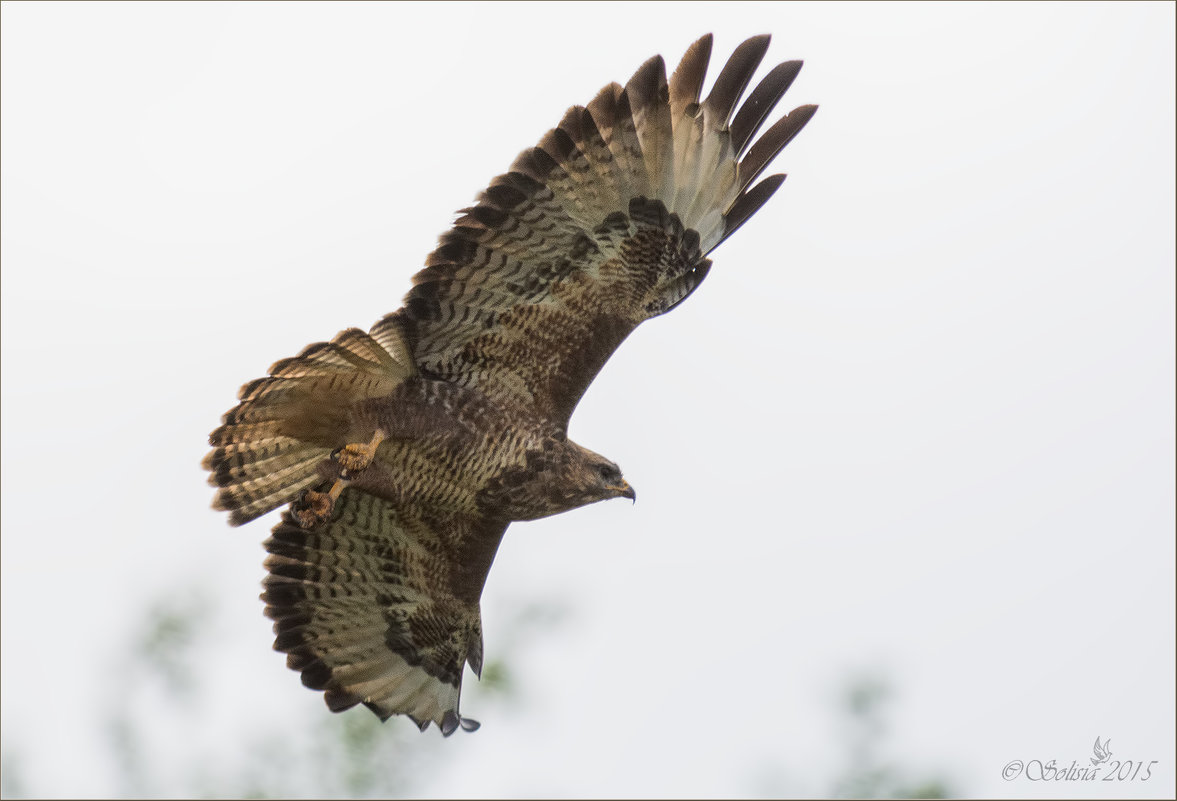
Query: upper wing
x,y
379,605
603,225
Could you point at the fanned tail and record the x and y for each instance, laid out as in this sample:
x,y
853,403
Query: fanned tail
x,y
269,447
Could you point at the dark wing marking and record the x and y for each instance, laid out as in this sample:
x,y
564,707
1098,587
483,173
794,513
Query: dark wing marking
x,y
379,606
606,223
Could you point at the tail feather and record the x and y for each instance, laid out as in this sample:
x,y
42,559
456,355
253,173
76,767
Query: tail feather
x,y
249,498
269,447
251,434
256,458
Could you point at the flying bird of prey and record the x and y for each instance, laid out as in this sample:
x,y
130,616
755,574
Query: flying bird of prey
x,y
405,452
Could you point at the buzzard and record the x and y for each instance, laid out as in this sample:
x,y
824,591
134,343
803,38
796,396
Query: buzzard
x,y
405,452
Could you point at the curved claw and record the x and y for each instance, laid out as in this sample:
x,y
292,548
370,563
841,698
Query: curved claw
x,y
314,507
355,457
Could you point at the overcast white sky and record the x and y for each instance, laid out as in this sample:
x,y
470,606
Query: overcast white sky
x,y
919,419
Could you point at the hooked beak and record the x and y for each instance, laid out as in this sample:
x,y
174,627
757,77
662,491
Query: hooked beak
x,y
624,490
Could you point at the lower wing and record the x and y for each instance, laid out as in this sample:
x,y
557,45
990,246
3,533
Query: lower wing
x,y
379,606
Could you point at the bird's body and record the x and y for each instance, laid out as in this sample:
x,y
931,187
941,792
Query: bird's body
x,y
479,458
405,452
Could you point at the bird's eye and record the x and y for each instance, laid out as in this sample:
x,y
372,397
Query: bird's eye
x,y
606,471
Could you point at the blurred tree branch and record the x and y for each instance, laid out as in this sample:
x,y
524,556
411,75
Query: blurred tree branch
x,y
866,773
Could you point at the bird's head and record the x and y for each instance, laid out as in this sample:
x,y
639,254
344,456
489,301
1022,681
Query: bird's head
x,y
558,479
609,481
594,478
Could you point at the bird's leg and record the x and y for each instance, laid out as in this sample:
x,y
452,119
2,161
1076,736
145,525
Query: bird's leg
x,y
355,456
314,507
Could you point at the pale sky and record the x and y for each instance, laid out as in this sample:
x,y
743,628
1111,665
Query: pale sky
x,y
919,418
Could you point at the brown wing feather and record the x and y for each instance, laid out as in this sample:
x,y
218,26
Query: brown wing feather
x,y
603,225
379,606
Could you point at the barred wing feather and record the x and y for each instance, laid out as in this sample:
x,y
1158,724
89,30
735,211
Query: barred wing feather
x,y
606,223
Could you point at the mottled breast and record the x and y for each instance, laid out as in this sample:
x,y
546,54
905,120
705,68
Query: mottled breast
x,y
445,444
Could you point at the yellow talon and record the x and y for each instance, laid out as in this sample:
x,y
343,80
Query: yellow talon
x,y
316,507
356,456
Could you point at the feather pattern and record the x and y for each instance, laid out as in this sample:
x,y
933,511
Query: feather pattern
x,y
365,608
405,452
563,256
270,446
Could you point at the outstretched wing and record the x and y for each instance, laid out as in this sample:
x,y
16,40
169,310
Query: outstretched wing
x,y
606,223
379,606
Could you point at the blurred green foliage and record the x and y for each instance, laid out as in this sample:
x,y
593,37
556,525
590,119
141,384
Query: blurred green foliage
x,y
350,754
866,774
155,684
